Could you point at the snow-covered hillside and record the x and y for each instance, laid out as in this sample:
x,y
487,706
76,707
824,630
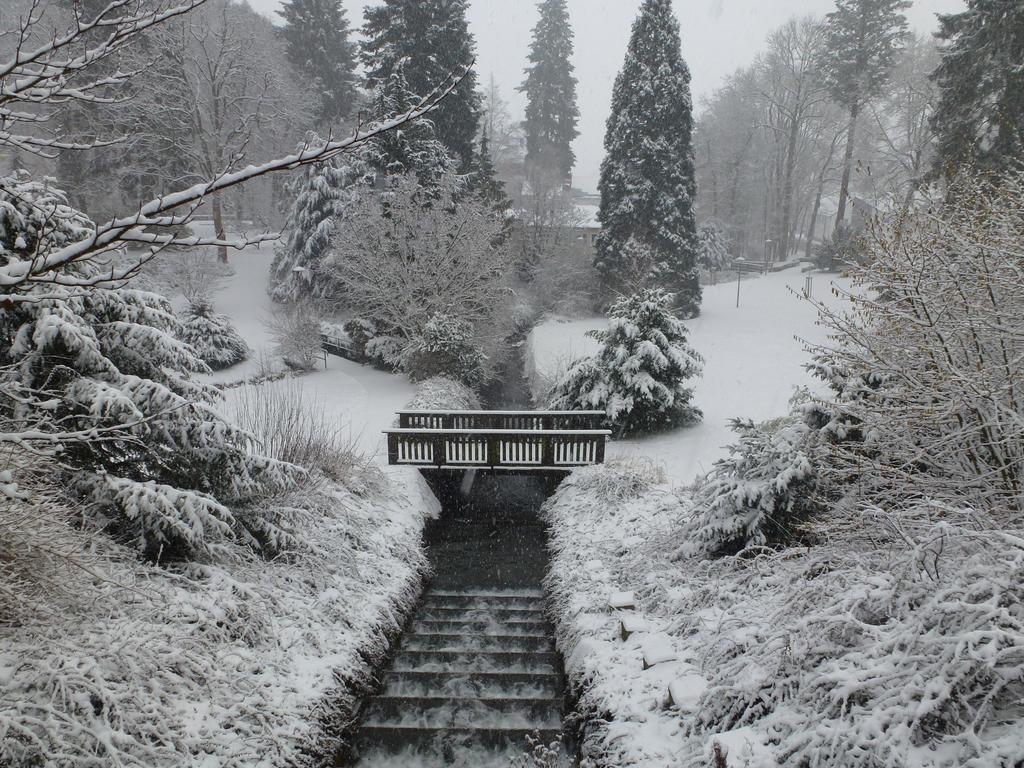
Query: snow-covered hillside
x,y
754,360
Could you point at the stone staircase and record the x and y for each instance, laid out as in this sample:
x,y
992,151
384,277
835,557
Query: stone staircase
x,y
475,675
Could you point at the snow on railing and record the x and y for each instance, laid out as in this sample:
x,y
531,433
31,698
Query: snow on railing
x,y
468,447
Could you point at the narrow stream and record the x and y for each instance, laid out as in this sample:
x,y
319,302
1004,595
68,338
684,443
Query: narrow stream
x,y
476,680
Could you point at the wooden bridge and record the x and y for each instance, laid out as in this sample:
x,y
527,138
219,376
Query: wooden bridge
x,y
514,440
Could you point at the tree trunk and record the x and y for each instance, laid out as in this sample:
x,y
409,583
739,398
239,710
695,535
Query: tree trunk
x,y
814,223
844,185
218,228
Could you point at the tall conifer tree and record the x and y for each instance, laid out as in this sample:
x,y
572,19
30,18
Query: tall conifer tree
x,y
550,88
864,38
428,40
317,33
648,187
980,116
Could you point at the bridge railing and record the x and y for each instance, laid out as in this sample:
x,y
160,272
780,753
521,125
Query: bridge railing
x,y
495,448
501,420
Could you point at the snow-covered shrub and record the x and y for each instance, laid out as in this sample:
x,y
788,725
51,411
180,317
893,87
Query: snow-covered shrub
x,y
840,249
360,331
386,352
440,393
295,329
291,425
446,347
621,480
639,376
408,254
927,369
714,247
758,495
212,336
196,275
104,372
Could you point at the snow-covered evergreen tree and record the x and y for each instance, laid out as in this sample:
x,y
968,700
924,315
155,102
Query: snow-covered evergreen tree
x,y
758,494
427,41
639,376
415,148
485,184
322,191
447,347
550,88
980,116
103,371
648,177
714,247
212,336
317,34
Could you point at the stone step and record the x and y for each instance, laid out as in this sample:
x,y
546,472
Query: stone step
x,y
486,643
442,742
449,661
483,601
404,712
503,615
524,628
482,685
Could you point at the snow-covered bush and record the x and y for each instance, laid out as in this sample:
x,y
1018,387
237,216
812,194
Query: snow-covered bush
x,y
639,376
212,336
840,249
408,254
295,329
620,481
758,495
104,373
291,425
440,393
386,352
446,347
714,247
928,370
360,332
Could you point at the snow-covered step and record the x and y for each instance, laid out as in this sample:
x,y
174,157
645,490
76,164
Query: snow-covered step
x,y
479,642
479,614
446,661
483,592
481,685
484,601
404,712
440,743
482,627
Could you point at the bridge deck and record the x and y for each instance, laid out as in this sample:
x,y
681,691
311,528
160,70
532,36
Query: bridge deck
x,y
523,440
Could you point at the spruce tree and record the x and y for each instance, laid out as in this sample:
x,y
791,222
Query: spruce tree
x,y
648,178
550,88
322,192
863,38
484,181
979,120
639,377
317,36
428,41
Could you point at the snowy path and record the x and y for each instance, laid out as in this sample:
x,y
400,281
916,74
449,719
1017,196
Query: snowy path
x,y
754,363
361,398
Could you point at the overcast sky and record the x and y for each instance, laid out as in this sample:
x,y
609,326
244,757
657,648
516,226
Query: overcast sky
x,y
718,37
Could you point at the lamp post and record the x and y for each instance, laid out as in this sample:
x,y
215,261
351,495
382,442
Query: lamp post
x,y
739,277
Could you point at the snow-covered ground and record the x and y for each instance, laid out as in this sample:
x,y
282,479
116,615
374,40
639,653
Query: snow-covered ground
x,y
753,363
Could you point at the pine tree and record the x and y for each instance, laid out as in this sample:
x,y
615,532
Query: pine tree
x,y
212,337
161,466
415,148
317,34
322,192
484,181
979,120
428,41
863,38
648,188
550,88
639,377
